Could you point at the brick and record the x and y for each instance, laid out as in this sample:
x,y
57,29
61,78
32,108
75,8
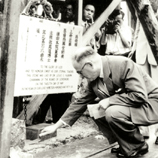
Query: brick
x,y
48,136
32,132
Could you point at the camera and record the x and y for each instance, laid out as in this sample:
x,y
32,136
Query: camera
x,y
110,26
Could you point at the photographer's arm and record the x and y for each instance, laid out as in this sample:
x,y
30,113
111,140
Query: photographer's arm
x,y
124,33
124,39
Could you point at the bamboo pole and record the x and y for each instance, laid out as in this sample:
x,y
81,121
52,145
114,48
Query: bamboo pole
x,y
9,38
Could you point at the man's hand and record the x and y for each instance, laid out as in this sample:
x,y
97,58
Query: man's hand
x,y
117,28
91,20
104,103
118,25
51,129
48,130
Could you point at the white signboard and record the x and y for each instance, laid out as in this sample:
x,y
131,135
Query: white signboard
x,y
43,57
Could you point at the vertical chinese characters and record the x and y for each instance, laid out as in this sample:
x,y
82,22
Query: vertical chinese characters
x,y
50,46
57,46
63,44
76,40
42,45
70,38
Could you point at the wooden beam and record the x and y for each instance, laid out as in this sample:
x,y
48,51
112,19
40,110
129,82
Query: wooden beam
x,y
9,38
33,106
132,10
149,23
99,22
80,9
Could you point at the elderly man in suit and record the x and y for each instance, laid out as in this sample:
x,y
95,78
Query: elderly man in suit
x,y
128,96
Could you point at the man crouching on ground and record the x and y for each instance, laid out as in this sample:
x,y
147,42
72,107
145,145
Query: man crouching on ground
x,y
127,94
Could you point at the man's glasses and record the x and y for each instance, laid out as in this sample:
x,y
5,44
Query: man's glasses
x,y
80,72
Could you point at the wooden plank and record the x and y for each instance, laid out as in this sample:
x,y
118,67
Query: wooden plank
x,y
33,106
1,20
99,22
132,10
9,40
149,23
80,6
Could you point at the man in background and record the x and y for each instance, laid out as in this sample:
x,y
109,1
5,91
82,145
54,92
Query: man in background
x,y
87,21
68,14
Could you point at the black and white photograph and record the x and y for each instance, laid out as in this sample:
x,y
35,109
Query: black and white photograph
x,y
79,79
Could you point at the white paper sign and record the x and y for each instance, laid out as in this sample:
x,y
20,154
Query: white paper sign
x,y
43,57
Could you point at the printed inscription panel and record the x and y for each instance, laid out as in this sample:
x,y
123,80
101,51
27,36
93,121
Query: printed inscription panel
x,y
44,57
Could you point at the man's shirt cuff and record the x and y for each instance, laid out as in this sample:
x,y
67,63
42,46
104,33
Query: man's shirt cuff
x,y
64,123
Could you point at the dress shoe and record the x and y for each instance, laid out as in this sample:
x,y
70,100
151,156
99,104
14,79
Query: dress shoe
x,y
116,150
143,150
156,141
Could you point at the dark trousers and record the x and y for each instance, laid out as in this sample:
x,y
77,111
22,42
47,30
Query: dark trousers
x,y
58,102
117,126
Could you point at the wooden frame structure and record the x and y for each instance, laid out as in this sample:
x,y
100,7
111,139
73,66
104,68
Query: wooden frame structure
x,y
37,100
9,29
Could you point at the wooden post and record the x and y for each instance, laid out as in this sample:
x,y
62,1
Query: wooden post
x,y
9,38
80,8
132,10
99,22
149,23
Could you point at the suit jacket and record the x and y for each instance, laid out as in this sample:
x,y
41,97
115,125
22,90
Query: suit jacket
x,y
128,86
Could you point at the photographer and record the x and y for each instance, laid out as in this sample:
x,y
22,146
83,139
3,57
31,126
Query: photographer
x,y
116,36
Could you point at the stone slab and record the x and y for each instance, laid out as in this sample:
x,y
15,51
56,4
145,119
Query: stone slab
x,y
78,149
92,148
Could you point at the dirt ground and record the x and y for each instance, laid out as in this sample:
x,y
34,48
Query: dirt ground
x,y
84,127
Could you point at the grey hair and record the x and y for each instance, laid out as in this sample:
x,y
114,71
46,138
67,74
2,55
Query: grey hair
x,y
82,52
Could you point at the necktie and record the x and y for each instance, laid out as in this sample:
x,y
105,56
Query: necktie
x,y
102,87
101,79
